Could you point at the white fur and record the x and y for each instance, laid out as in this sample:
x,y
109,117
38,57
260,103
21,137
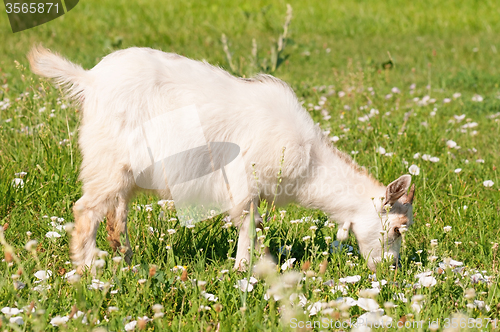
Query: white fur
x,y
262,115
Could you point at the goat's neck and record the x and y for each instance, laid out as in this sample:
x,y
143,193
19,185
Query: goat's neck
x,y
337,187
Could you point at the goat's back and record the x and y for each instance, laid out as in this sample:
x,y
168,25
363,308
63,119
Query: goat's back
x,y
133,86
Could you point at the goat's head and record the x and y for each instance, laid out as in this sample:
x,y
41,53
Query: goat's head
x,y
391,217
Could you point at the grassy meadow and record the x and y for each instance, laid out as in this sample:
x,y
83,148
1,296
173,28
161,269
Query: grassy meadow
x,y
403,87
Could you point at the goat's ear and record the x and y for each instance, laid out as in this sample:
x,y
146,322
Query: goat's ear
x,y
397,189
408,198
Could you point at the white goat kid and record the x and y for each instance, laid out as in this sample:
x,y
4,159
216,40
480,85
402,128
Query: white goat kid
x,y
261,116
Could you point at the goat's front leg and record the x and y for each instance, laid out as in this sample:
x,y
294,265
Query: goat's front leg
x,y
243,251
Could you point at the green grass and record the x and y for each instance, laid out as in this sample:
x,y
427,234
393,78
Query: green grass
x,y
452,46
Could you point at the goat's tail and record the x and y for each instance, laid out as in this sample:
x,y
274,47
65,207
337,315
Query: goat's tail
x,y
73,77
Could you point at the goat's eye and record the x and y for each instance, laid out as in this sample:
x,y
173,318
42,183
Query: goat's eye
x,y
396,231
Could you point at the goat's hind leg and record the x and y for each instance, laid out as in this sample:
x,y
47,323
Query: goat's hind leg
x,y
88,214
117,227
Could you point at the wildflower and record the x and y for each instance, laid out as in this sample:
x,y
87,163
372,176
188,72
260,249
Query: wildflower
x,y
457,170
113,309
117,259
43,274
246,285
448,262
157,308
470,294
97,284
395,90
18,183
470,125
102,254
427,281
171,231
282,214
416,155
11,311
42,288
477,277
457,95
381,150
447,229
72,279
434,159
313,228
306,238
21,174
389,305
334,139
341,94
434,243
16,320
130,326
288,264
446,100
477,98
451,144
178,268
52,235
58,320
414,170
31,245
350,279
209,297
367,304
488,183
100,263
